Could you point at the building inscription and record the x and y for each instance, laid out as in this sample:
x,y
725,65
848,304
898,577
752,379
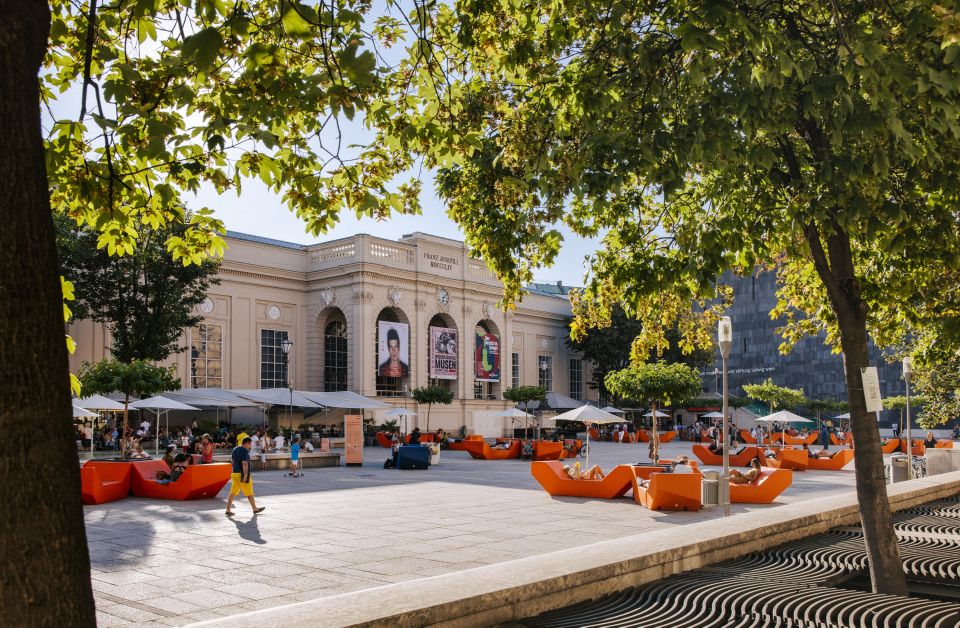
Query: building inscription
x,y
441,262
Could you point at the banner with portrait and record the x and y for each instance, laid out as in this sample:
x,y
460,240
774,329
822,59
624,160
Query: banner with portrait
x,y
393,349
443,353
487,357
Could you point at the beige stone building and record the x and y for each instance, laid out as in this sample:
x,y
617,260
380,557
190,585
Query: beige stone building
x,y
342,304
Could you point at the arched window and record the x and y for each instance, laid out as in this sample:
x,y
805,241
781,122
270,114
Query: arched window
x,y
335,356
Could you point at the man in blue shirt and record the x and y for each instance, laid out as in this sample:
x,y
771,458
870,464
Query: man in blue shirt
x,y
241,480
295,457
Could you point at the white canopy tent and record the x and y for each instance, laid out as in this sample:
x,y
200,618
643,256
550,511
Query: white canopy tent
x,y
588,415
160,405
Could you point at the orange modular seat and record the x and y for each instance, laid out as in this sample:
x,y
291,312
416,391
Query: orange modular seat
x,y
763,490
809,439
664,462
554,480
669,491
480,450
918,447
425,437
847,439
102,481
199,481
837,461
383,440
890,446
944,444
577,446
666,437
739,458
594,434
458,446
705,436
747,438
796,459
547,450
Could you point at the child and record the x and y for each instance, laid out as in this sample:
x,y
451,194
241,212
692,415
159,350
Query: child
x,y
295,457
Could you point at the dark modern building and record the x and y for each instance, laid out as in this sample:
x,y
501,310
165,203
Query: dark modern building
x,y
755,355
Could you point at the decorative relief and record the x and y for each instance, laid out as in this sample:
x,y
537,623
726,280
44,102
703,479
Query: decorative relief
x,y
207,306
394,295
273,313
420,304
487,309
363,296
326,297
544,344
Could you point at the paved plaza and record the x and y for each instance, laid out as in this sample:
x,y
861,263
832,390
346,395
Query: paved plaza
x,y
342,529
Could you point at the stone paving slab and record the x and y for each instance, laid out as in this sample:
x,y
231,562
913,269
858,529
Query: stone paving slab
x,y
340,530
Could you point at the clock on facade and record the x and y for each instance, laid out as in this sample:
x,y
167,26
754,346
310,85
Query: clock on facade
x,y
273,313
443,297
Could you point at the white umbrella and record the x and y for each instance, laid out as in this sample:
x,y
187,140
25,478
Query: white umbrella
x,y
514,413
97,402
713,415
80,413
845,415
588,415
612,410
783,416
160,405
660,415
403,412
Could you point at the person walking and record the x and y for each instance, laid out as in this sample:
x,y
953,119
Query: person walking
x,y
240,477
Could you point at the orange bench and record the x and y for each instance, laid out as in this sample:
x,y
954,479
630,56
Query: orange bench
x,y
425,437
383,440
643,436
459,445
577,446
199,481
809,439
741,459
102,481
890,446
837,461
547,450
480,450
847,439
551,476
763,490
796,459
747,438
705,437
944,444
669,491
918,447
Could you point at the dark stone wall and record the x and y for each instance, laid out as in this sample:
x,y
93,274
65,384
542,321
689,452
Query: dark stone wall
x,y
755,355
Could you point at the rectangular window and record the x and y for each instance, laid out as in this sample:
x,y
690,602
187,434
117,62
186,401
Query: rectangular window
x,y
576,379
515,370
273,362
477,390
545,366
206,356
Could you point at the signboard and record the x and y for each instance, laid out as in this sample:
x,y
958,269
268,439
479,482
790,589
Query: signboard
x,y
871,389
353,440
487,356
443,353
393,349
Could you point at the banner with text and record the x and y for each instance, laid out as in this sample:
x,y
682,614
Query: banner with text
x,y
487,357
443,353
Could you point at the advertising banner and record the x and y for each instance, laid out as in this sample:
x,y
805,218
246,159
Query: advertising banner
x,y
871,389
443,353
393,349
487,358
353,440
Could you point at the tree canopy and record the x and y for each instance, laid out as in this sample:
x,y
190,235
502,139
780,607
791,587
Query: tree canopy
x,y
146,298
662,383
776,396
430,395
525,394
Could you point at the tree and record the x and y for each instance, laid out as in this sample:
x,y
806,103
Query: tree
x,y
818,138
819,406
430,395
146,298
134,379
608,346
525,395
775,396
657,383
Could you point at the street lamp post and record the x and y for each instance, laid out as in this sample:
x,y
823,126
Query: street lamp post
x,y
907,374
286,345
725,340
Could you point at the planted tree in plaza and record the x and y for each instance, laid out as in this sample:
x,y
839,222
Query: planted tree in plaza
x,y
525,395
817,138
134,379
146,297
430,395
775,396
660,384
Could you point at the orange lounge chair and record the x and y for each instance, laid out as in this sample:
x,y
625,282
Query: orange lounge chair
x,y
199,481
764,489
669,491
890,446
944,444
547,450
847,440
425,437
566,453
102,481
459,445
796,459
746,437
918,447
666,437
809,439
594,433
383,440
705,437
741,459
554,480
837,461
643,436
480,450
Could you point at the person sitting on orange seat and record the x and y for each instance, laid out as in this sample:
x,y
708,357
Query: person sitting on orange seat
x,y
738,477
575,473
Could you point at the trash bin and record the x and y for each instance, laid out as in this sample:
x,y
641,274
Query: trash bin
x,y
898,468
710,495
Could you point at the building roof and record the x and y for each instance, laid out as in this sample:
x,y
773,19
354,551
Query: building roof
x,y
236,235
551,289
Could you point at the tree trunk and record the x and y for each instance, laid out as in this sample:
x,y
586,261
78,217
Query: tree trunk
x,y
45,580
835,268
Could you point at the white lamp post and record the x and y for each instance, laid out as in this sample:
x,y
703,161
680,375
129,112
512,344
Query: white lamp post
x,y
725,341
907,374
286,345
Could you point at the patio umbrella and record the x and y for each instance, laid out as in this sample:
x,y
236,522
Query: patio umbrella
x,y
160,405
845,415
97,402
660,415
402,412
783,416
713,415
80,413
514,413
612,410
588,415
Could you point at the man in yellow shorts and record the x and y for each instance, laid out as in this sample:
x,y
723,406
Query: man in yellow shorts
x,y
241,480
